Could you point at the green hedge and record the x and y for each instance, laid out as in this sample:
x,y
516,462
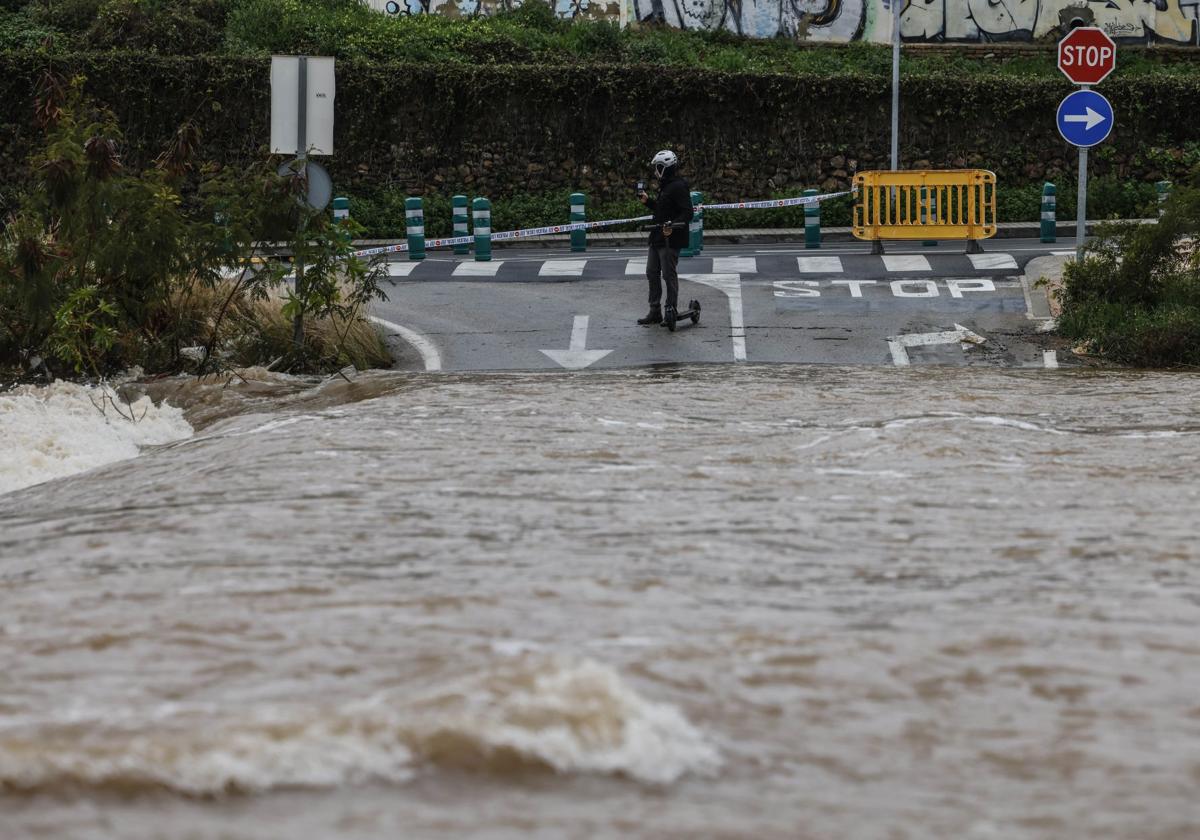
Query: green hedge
x,y
522,133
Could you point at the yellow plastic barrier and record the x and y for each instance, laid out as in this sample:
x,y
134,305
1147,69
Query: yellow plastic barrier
x,y
925,204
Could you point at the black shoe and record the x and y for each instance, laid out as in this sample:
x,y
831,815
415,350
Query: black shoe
x,y
653,317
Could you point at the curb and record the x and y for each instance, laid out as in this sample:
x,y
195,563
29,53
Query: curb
x,y
735,236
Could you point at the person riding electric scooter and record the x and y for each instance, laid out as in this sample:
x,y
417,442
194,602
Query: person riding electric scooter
x,y
669,235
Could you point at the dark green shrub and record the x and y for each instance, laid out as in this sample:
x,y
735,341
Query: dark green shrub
x,y
1135,298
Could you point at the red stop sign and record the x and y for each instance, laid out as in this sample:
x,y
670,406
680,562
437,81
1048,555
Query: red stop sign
x,y
1087,55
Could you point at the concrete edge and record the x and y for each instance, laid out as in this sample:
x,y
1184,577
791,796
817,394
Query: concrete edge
x,y
1043,300
735,236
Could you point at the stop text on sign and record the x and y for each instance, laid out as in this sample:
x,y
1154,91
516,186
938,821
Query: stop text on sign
x,y
1087,55
1092,56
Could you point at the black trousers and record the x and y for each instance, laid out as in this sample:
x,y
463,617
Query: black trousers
x,y
662,264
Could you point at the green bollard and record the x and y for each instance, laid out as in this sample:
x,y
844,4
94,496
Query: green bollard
x,y
578,214
481,210
1049,213
221,219
461,222
414,212
812,222
695,228
1164,191
341,208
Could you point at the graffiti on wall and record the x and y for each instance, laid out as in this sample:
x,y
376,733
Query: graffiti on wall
x,y
1169,21
812,20
965,21
570,9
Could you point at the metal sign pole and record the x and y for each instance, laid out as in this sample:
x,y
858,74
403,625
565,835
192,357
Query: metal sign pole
x,y
1081,204
1081,200
302,154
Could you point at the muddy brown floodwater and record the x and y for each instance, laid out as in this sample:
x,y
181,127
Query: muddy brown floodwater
x,y
715,602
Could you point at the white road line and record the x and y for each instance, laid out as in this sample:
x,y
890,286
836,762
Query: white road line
x,y
735,265
1062,253
905,262
635,267
401,269
1050,359
478,269
562,268
986,261
820,265
428,350
731,285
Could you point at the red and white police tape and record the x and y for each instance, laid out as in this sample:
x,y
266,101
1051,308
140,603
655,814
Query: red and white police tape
x,y
550,230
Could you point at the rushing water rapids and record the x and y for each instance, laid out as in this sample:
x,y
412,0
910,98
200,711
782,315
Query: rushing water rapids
x,y
707,602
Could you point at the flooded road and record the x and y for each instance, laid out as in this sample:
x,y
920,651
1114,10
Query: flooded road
x,y
783,602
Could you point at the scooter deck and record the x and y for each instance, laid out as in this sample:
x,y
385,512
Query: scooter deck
x,y
692,312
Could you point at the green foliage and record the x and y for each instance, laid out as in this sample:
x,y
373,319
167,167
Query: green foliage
x,y
102,264
19,30
1135,298
336,285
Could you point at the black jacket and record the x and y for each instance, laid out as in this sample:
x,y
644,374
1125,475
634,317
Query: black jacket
x,y
673,204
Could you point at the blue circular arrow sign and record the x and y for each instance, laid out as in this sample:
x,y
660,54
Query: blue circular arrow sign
x,y
1085,118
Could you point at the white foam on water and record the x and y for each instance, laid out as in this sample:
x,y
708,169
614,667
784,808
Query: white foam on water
x,y
529,715
571,716
63,429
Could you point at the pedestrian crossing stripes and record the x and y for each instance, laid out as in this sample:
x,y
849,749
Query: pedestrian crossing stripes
x,y
773,266
734,265
905,262
820,265
562,268
478,269
401,269
988,261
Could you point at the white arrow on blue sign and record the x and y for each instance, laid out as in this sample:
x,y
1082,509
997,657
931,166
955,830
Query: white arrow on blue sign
x,y
1085,118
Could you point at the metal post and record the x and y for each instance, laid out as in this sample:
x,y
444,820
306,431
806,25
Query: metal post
x,y
460,222
1081,205
698,203
812,222
414,216
302,154
1049,213
578,214
481,210
896,4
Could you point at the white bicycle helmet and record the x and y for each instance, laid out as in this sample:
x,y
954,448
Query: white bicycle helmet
x,y
663,161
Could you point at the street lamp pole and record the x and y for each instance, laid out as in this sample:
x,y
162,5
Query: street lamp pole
x,y
896,4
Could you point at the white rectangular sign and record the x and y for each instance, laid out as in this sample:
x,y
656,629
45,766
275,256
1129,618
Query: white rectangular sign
x,y
285,105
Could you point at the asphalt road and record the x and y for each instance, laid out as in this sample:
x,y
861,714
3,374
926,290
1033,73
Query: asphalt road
x,y
551,309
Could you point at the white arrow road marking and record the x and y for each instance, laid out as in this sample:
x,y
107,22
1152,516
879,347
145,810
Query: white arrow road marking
x,y
577,356
731,285
899,344
428,350
1091,119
